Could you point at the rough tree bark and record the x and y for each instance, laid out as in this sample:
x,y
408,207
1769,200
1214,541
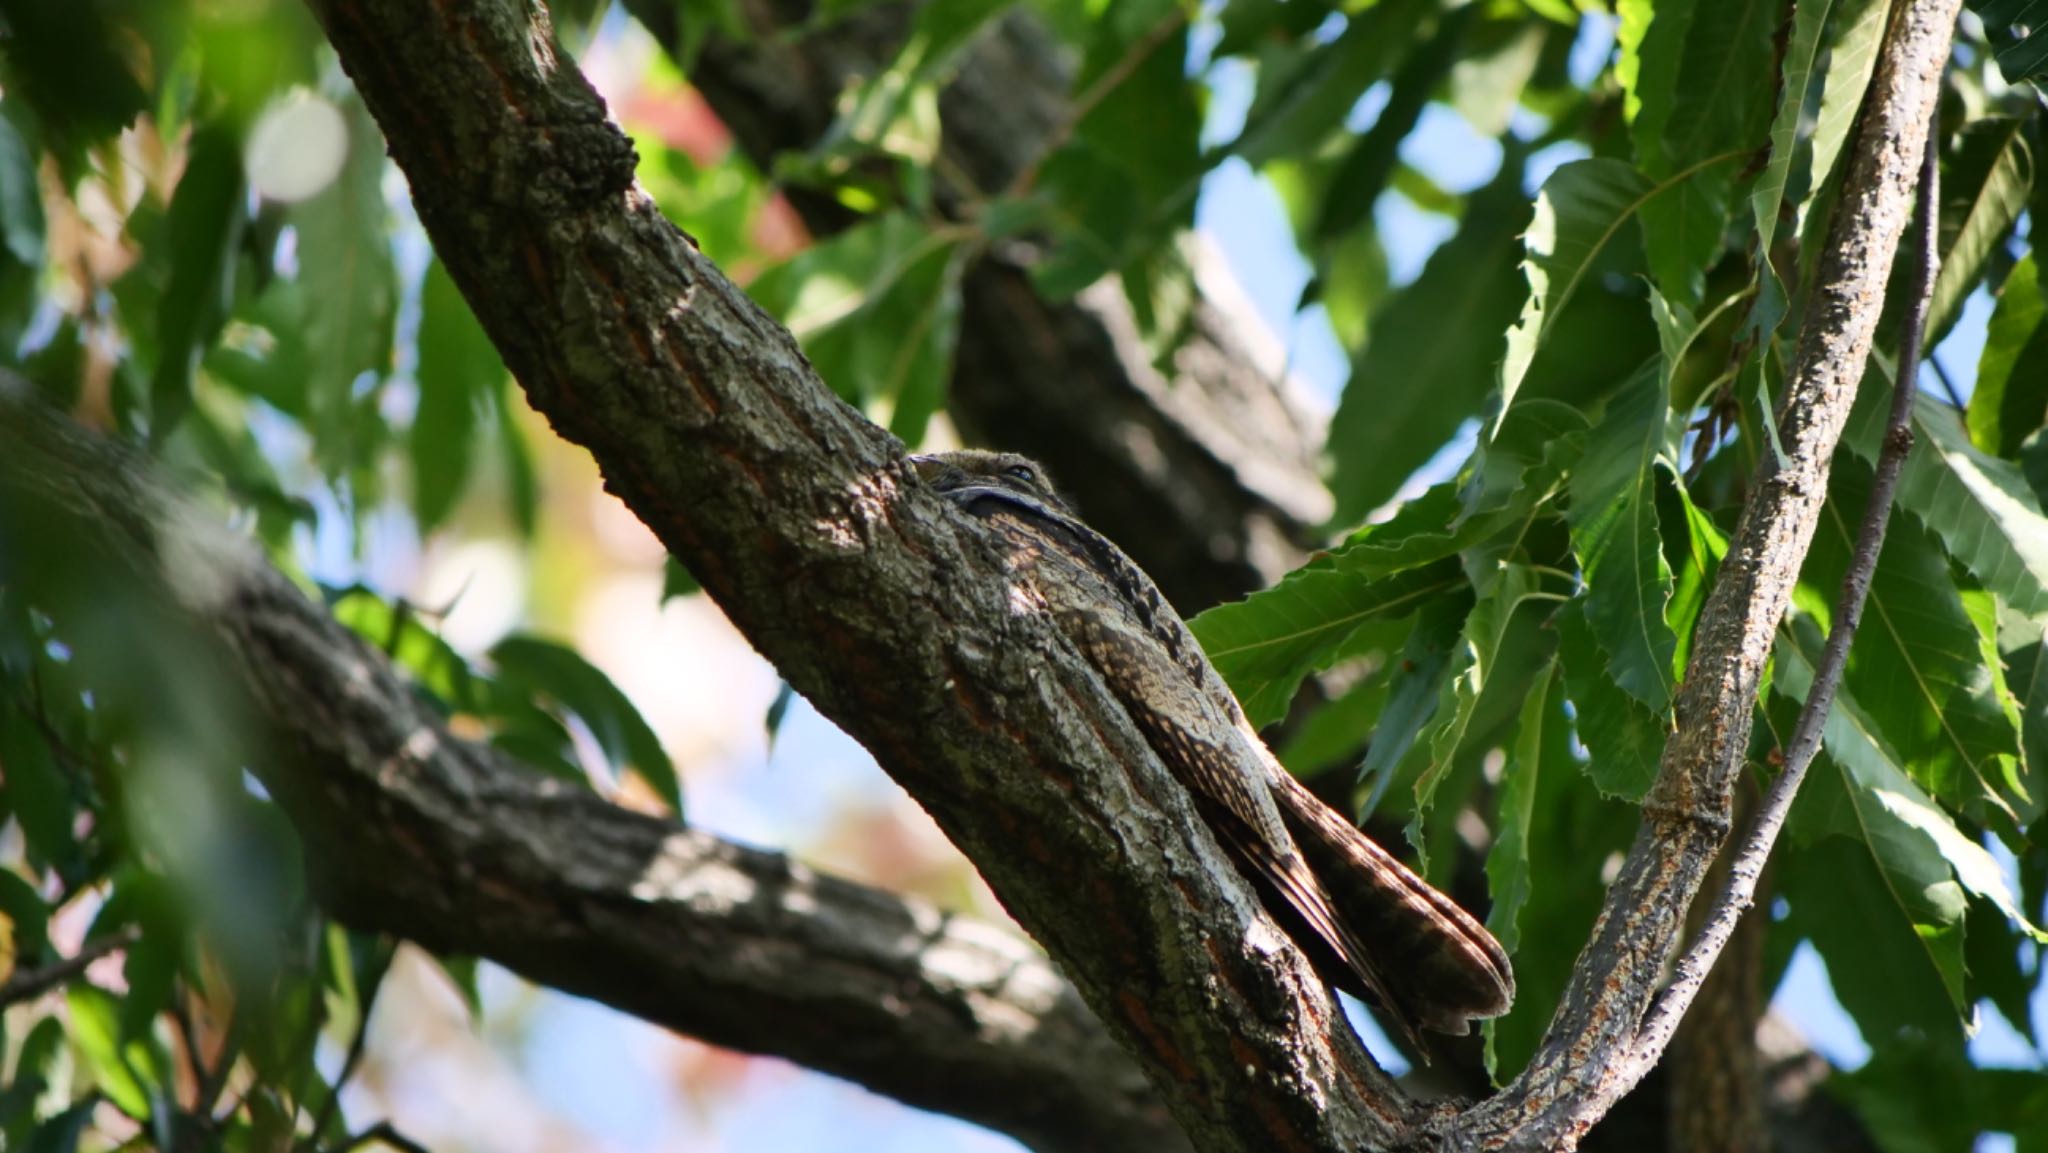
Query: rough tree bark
x,y
885,609
891,615
1208,479
711,428
412,831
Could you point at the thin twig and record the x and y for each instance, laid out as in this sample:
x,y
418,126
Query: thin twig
x,y
1140,51
357,1046
1948,385
1748,865
384,1133
28,984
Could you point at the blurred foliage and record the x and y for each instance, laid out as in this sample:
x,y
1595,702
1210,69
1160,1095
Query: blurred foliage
x,y
1589,357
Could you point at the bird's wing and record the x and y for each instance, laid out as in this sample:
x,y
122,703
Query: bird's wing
x,y
1445,968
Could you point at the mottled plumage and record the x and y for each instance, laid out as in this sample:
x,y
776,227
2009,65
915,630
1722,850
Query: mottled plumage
x,y
1370,926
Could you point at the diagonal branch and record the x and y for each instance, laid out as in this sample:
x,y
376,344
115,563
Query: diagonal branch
x,y
887,610
1581,1067
1206,471
1748,866
412,831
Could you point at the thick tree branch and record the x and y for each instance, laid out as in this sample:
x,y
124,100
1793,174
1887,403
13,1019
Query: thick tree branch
x,y
414,832
1580,1069
1206,475
890,612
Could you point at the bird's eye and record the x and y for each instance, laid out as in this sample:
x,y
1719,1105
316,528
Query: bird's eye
x,y
1023,472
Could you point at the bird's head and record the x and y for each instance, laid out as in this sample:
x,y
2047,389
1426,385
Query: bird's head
x,y
972,473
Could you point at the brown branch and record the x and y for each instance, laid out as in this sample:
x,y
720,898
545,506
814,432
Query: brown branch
x,y
28,984
412,831
1204,470
1583,1064
871,596
1748,866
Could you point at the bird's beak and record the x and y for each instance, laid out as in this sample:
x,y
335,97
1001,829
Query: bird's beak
x,y
927,467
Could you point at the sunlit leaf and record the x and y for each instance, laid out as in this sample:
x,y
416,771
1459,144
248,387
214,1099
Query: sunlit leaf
x,y
2010,400
1917,845
1624,739
1980,506
117,1067
1615,533
580,687
1411,389
459,373
1856,30
206,219
1263,645
1983,188
877,308
351,297
1918,665
1581,211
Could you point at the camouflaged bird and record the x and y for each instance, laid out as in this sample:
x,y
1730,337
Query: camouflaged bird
x,y
1368,925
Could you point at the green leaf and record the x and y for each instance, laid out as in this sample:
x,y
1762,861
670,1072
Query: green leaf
x,y
1724,84
21,199
2017,36
1411,388
37,790
1338,731
676,581
1414,693
350,291
398,632
1926,860
1696,545
877,309
25,915
1624,739
1487,81
1926,1095
1265,644
1542,745
1981,507
1917,665
96,1029
1650,42
1984,187
1579,213
1856,32
777,710
67,61
1614,527
2010,399
459,374
578,686
520,480
1300,102
893,111
206,219
1802,52
1891,973
1471,670
1571,836
1356,183
462,973
1126,181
